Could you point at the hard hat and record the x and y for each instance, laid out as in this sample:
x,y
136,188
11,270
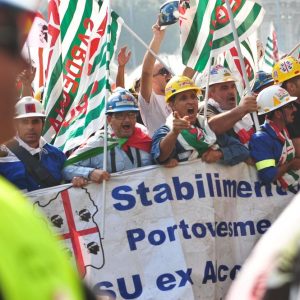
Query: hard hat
x,y
285,69
168,13
31,5
262,79
178,84
121,100
218,74
29,107
272,98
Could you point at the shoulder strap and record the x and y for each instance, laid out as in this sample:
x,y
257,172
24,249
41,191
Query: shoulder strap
x,y
33,166
212,108
138,156
113,160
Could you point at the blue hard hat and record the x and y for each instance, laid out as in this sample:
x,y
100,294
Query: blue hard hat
x,y
261,79
169,13
121,100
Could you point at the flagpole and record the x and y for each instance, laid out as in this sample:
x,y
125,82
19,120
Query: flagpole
x,y
147,47
238,48
294,49
207,83
108,37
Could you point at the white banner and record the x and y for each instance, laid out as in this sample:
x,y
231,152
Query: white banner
x,y
180,233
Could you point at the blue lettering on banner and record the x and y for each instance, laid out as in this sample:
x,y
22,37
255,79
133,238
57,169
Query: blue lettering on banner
x,y
157,237
164,282
127,197
214,272
167,281
136,291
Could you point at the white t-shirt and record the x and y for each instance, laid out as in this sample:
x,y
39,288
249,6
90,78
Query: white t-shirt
x,y
154,113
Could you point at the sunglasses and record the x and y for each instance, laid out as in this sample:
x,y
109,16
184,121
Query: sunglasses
x,y
163,72
123,115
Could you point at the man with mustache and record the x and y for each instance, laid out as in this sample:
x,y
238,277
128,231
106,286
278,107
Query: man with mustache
x,y
271,147
28,161
128,144
223,112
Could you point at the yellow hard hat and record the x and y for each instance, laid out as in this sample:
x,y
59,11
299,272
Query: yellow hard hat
x,y
180,84
285,69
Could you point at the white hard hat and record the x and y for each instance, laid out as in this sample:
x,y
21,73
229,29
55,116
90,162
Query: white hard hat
x,y
271,98
31,5
29,107
218,74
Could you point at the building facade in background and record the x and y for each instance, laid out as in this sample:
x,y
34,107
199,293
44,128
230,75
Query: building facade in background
x,y
285,15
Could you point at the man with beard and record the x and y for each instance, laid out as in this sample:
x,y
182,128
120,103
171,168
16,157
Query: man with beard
x,y
28,161
271,147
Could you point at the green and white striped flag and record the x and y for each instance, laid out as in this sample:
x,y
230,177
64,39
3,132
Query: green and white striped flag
x,y
76,79
205,26
271,55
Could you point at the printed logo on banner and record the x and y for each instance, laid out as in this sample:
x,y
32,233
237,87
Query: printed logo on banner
x,y
74,219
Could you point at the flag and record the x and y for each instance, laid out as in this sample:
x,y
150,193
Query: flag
x,y
271,55
234,64
76,72
38,33
205,26
35,49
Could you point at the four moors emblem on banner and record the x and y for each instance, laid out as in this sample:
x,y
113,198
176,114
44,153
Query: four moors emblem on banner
x,y
74,220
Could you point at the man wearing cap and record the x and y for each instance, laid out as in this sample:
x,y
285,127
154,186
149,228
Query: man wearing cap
x,y
154,109
28,160
128,144
272,148
286,72
262,81
185,136
224,115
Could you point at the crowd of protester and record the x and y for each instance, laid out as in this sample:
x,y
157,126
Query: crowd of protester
x,y
160,120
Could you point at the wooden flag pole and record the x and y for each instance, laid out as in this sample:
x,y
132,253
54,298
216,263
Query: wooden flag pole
x,y
147,47
294,49
108,38
238,48
207,84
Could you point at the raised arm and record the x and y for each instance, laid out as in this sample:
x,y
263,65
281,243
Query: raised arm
x,y
225,121
123,59
149,61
